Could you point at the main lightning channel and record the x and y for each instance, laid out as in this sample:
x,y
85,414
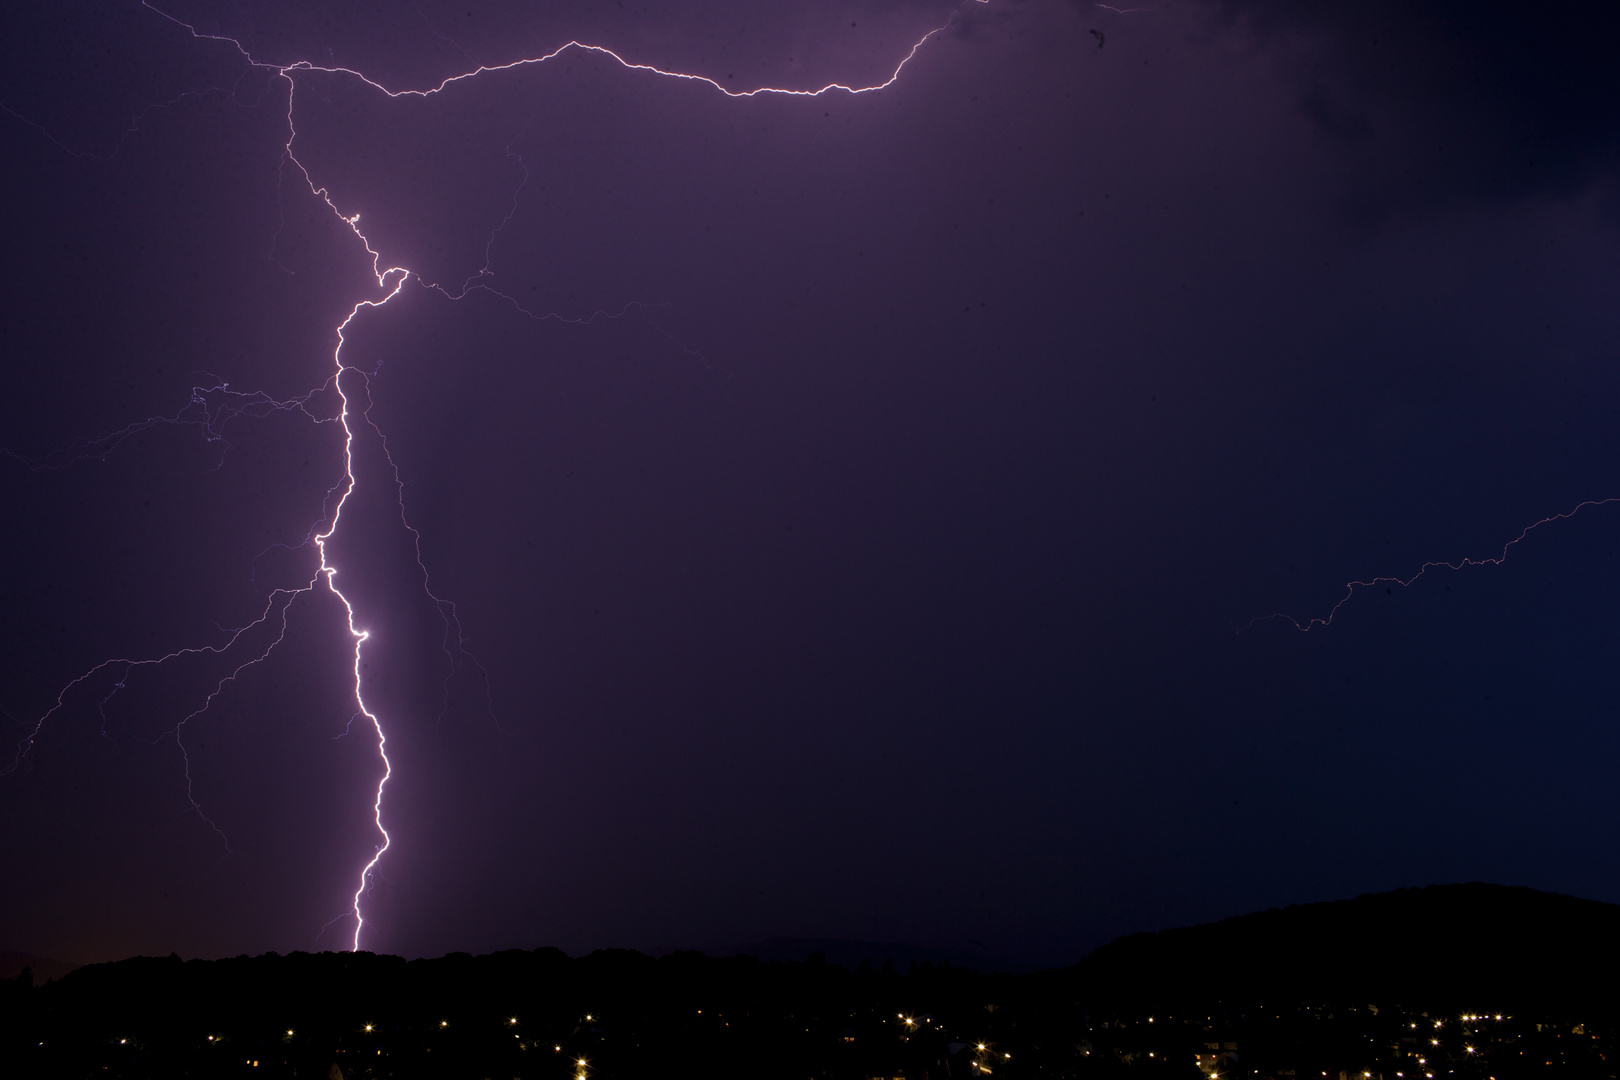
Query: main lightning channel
x,y
391,280
329,571
400,275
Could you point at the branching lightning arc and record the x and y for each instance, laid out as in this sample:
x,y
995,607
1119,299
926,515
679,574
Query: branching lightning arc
x,y
1351,587
211,406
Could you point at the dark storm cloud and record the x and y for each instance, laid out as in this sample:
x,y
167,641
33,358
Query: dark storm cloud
x,y
1451,98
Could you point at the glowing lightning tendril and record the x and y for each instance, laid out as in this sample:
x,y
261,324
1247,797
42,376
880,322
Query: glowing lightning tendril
x,y
1350,587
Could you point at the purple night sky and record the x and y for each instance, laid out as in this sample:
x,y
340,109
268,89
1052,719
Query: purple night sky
x,y
841,509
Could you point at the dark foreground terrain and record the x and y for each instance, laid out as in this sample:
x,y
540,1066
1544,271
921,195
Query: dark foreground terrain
x,y
1449,982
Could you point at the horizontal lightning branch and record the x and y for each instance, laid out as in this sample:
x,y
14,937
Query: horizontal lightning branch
x,y
304,65
208,410
1350,587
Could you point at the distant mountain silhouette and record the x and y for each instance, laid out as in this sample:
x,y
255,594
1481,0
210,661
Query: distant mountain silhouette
x,y
1471,946
42,967
1346,988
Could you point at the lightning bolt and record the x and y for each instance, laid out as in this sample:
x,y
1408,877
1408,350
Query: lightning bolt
x,y
211,406
1350,587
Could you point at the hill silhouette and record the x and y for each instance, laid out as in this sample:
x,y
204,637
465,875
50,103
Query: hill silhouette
x,y
1464,982
40,968
1443,944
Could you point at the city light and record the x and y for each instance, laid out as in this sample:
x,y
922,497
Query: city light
x,y
983,1059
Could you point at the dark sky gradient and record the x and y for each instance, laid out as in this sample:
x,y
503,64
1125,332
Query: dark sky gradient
x,y
858,553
